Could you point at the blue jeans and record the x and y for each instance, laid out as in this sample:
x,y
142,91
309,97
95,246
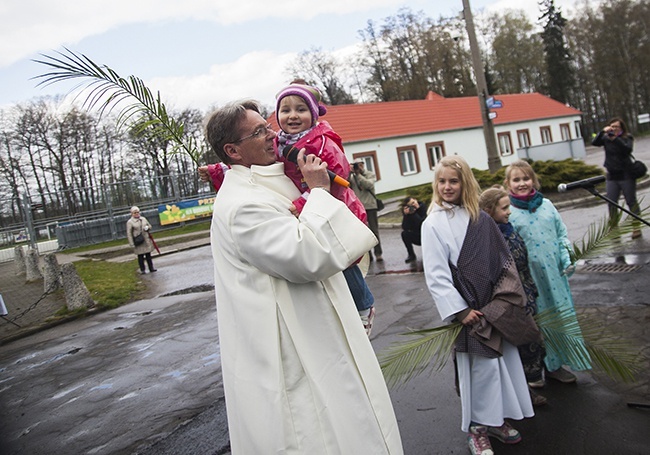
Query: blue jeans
x,y
363,298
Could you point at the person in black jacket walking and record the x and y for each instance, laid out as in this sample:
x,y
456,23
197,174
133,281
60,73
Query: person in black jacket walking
x,y
618,144
414,212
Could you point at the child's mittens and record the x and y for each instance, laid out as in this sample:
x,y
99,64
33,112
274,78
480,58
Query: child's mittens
x,y
217,173
300,202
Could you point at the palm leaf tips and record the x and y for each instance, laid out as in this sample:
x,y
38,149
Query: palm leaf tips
x,y
107,90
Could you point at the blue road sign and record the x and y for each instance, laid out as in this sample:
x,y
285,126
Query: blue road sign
x,y
491,103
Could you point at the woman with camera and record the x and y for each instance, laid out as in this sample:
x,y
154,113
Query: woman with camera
x,y
618,144
414,212
137,233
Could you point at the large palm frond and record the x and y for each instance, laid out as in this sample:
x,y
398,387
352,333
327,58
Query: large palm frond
x,y
427,348
106,90
584,342
588,340
603,234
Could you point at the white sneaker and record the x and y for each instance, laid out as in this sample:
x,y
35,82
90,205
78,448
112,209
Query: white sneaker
x,y
367,320
478,440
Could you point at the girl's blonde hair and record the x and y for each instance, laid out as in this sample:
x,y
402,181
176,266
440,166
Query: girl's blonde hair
x,y
524,167
469,187
490,199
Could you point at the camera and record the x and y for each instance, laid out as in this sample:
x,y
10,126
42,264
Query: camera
x,y
411,209
611,134
355,166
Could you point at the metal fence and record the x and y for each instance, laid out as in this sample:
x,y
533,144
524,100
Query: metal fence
x,y
89,215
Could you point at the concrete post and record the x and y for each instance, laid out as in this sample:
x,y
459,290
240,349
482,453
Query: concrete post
x,y
51,273
77,295
32,269
19,260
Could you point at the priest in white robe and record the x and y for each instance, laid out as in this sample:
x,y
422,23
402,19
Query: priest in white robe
x,y
300,375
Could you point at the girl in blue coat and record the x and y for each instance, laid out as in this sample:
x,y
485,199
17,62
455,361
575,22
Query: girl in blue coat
x,y
538,222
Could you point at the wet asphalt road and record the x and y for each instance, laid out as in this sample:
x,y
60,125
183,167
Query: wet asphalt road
x,y
122,381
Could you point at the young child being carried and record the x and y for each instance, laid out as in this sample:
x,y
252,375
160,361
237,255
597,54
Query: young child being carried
x,y
298,108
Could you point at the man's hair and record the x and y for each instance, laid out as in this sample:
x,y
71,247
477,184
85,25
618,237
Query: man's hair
x,y
406,201
223,125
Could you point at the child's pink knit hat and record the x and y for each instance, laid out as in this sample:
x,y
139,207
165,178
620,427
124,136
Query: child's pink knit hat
x,y
311,95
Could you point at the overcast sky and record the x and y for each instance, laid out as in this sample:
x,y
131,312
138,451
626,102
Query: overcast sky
x,y
197,53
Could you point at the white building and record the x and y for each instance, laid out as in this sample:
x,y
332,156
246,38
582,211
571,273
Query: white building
x,y
401,141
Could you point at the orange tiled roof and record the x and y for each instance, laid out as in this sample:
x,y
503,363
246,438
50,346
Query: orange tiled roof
x,y
359,122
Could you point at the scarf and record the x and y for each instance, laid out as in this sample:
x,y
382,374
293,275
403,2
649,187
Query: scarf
x,y
290,139
528,202
506,229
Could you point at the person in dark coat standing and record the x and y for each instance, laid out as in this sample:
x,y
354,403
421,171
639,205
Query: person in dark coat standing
x,y
138,226
618,144
414,212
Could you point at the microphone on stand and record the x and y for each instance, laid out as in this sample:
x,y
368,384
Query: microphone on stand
x,y
291,153
585,183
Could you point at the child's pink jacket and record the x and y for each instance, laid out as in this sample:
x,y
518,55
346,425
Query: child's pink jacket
x,y
323,142
327,145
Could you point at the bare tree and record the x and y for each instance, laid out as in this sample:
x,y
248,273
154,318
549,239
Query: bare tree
x,y
322,70
410,55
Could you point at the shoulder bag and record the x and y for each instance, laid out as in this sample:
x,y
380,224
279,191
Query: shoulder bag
x,y
638,168
138,239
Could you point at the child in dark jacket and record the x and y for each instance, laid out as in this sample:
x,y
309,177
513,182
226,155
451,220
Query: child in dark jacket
x,y
495,202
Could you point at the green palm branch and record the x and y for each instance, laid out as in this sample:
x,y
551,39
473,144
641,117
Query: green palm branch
x,y
427,348
589,341
603,234
106,90
584,342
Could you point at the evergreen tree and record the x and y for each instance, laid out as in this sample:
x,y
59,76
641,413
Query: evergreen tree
x,y
558,59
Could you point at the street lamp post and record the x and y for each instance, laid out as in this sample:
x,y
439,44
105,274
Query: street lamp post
x,y
494,161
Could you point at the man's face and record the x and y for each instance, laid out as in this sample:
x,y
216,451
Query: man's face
x,y
255,146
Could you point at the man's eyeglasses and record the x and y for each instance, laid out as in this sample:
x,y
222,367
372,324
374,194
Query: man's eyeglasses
x,y
261,131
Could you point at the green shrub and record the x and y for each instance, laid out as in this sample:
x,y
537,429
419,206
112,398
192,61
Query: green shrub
x,y
550,174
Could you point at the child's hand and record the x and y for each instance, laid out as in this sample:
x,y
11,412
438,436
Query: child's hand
x,y
570,270
472,318
294,211
203,174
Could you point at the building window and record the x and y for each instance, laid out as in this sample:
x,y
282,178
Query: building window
x,y
565,131
369,161
545,131
435,152
576,129
505,144
408,160
523,136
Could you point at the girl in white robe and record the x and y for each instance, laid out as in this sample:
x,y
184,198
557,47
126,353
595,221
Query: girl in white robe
x,y
491,379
